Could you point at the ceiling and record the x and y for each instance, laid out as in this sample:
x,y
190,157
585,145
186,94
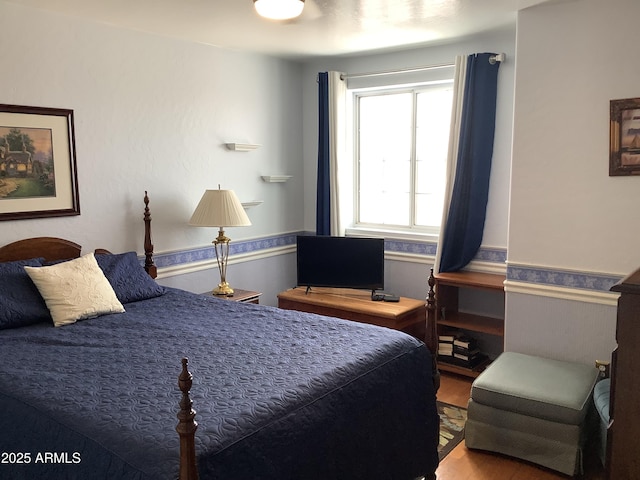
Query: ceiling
x,y
325,28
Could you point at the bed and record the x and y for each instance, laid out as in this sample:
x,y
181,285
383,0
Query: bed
x,y
279,394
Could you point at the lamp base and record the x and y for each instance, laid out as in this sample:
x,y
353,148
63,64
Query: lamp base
x,y
223,288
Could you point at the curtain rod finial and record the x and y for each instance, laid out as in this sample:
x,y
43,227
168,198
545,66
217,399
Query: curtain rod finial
x,y
500,57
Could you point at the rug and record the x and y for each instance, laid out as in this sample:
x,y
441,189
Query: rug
x,y
452,420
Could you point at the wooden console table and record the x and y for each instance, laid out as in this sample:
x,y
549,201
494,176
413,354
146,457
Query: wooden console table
x,y
407,315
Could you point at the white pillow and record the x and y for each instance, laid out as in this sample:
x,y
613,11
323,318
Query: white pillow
x,y
75,290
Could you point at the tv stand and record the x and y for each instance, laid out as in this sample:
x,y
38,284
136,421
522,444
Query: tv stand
x,y
407,314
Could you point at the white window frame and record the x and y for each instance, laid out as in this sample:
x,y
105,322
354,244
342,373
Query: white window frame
x,y
412,232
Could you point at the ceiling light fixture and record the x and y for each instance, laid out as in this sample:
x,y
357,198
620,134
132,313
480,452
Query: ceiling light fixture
x,y
279,9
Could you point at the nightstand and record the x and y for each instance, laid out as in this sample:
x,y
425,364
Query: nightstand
x,y
239,295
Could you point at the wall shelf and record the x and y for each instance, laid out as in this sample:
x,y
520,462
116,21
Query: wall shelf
x,y
241,147
276,178
253,203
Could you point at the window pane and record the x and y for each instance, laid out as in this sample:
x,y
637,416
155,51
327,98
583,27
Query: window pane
x,y
385,126
385,158
401,165
433,120
429,209
396,208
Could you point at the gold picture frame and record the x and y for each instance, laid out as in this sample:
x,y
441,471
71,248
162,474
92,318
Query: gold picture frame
x,y
38,176
624,143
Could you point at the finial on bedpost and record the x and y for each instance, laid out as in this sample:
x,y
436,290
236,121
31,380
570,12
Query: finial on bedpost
x,y
148,246
431,330
187,426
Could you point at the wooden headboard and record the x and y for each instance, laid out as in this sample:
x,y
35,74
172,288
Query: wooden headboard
x,y
52,248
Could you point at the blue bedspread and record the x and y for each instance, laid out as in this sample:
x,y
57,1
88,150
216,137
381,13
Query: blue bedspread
x,y
279,395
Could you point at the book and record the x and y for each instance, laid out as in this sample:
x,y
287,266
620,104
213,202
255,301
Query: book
x,y
464,341
470,364
448,336
465,354
445,348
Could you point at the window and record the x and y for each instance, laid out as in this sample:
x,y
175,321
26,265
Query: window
x,y
401,142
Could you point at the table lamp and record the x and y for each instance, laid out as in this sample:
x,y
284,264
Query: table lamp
x,y
220,208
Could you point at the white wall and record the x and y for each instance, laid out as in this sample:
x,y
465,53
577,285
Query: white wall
x,y
572,59
152,113
566,212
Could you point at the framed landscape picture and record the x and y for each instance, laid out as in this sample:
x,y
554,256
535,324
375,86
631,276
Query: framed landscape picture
x,y
38,175
624,155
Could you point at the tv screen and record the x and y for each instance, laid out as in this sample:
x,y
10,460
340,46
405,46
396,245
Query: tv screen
x,y
346,262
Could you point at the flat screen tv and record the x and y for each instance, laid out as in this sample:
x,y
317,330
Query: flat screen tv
x,y
345,262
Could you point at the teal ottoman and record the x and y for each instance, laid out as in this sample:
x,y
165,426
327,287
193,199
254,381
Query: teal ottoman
x,y
532,408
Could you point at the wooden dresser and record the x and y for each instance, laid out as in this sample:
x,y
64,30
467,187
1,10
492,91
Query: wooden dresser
x,y
407,315
623,437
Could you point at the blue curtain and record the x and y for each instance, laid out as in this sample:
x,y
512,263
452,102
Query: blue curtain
x,y
323,195
465,223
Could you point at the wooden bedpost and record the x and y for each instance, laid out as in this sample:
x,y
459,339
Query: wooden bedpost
x,y
148,246
431,330
186,427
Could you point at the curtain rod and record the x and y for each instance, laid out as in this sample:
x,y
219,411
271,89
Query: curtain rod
x,y
500,57
393,72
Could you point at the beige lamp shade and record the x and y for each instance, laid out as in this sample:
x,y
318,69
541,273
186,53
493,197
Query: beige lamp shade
x,y
219,208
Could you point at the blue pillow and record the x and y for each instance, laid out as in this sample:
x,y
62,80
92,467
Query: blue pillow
x,y
128,278
20,302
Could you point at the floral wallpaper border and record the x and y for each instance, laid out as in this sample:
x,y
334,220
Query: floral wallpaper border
x,y
237,247
516,273
289,239
562,278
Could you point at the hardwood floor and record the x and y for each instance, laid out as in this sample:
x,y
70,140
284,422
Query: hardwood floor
x,y
465,464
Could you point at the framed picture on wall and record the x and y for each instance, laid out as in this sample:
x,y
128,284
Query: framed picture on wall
x,y
38,175
624,156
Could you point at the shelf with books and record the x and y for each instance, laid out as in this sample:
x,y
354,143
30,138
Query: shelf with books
x,y
452,322
460,353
